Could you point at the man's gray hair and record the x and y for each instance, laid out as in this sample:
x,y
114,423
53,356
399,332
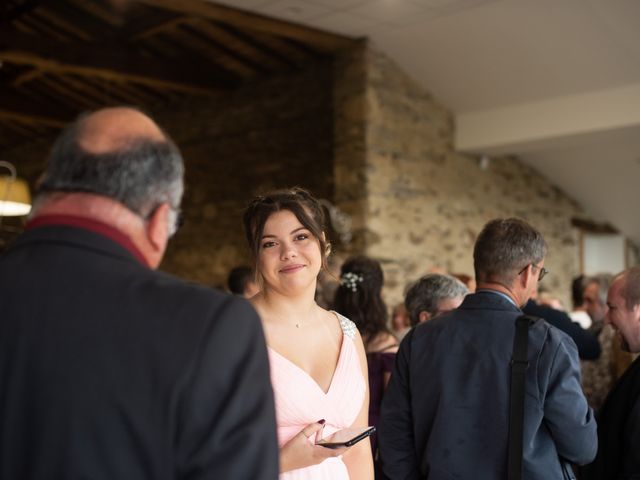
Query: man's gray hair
x,y
505,247
141,174
630,291
426,294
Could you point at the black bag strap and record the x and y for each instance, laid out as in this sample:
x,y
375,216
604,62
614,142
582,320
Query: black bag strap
x,y
519,364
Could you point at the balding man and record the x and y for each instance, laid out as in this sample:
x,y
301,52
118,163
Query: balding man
x,y
619,419
445,414
108,368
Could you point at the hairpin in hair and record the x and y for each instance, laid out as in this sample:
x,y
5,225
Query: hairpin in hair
x,y
351,280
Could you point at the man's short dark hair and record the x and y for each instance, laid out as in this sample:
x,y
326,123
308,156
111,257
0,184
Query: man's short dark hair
x,y
141,174
504,247
426,294
577,290
238,279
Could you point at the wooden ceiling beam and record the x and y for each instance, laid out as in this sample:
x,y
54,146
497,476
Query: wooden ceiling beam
x,y
258,46
81,100
17,107
26,77
209,45
153,24
65,24
245,20
113,64
97,27
22,8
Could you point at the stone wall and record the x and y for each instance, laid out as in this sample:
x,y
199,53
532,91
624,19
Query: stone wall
x,y
426,203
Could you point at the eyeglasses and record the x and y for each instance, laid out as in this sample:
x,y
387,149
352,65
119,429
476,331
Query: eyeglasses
x,y
541,275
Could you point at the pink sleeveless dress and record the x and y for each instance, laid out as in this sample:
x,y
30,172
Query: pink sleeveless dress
x,y
300,401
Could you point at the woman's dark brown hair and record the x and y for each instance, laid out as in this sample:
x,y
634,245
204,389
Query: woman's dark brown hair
x,y
298,201
359,296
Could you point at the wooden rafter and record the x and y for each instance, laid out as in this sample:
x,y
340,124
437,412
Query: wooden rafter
x,y
244,20
10,15
246,65
26,77
118,65
258,46
89,23
150,28
17,107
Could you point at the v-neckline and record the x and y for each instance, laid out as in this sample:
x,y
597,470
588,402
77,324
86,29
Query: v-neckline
x,y
307,374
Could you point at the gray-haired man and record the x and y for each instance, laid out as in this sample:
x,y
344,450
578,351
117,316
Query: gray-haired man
x,y
109,369
433,295
446,412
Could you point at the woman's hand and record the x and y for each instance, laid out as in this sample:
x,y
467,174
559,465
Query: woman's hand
x,y
299,452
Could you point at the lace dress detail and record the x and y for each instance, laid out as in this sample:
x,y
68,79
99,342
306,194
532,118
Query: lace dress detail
x,y
348,327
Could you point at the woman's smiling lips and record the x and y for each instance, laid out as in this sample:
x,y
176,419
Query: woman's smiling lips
x,y
292,268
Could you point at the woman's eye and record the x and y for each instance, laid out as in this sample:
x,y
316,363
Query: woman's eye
x,y
268,244
302,236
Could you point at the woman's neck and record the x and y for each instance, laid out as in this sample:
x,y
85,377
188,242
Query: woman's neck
x,y
287,306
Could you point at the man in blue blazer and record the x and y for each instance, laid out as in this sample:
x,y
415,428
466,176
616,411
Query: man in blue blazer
x,y
445,414
108,368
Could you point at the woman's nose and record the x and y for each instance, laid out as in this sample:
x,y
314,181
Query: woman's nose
x,y
288,251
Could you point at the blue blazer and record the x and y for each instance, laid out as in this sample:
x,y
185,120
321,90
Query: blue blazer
x,y
445,414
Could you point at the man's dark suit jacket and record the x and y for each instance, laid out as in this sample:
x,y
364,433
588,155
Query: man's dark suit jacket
x,y
587,343
445,414
109,370
619,431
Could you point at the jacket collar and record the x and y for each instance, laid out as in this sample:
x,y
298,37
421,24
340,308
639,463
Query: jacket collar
x,y
82,236
487,299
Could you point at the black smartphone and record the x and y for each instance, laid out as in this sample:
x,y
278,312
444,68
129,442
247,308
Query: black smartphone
x,y
346,437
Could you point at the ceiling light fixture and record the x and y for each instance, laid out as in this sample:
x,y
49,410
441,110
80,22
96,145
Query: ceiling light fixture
x,y
15,199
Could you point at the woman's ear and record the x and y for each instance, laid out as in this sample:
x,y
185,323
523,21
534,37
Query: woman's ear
x,y
327,248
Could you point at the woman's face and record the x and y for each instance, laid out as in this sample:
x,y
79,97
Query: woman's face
x,y
289,258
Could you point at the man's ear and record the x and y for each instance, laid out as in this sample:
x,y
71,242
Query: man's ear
x,y
526,276
157,228
423,316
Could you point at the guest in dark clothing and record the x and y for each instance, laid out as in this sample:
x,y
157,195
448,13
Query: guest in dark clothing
x,y
108,368
619,419
446,415
359,298
587,342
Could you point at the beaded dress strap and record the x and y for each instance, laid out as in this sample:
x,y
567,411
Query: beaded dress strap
x,y
348,327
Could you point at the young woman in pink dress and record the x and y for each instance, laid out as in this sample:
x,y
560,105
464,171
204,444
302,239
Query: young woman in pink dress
x,y
318,363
